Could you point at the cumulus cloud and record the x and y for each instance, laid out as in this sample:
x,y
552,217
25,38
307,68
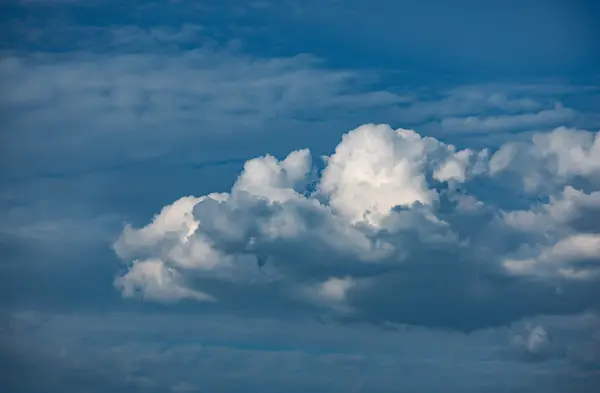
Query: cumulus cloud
x,y
575,256
152,280
374,170
551,159
391,227
559,237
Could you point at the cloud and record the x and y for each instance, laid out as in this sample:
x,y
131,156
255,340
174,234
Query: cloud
x,y
203,96
570,211
544,118
185,89
374,170
393,228
133,351
574,339
155,281
487,115
348,273
535,342
128,86
551,159
330,293
559,237
206,93
574,256
170,97
470,100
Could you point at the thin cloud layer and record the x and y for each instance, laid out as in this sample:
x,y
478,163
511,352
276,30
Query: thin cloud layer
x,y
544,118
391,227
160,102
161,352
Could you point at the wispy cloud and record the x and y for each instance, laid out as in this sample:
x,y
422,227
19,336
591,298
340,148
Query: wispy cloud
x,y
545,118
126,98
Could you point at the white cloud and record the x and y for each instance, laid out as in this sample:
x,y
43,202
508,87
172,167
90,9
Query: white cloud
x,y
373,234
559,238
565,213
335,289
277,181
390,212
550,159
562,258
375,169
397,229
153,280
172,236
331,293
570,152
174,220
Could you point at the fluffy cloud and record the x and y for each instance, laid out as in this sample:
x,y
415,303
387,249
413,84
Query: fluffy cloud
x,y
551,159
559,237
152,280
393,227
374,170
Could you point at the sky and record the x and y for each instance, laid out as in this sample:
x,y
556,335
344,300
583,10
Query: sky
x,y
327,196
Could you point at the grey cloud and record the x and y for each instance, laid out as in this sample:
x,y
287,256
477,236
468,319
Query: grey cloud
x,y
574,339
158,352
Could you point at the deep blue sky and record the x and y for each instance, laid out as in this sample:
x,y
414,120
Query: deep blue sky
x,y
111,110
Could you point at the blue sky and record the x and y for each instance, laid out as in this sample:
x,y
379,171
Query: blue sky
x,y
381,196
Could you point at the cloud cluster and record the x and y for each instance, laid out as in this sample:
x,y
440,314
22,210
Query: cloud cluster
x,y
392,227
